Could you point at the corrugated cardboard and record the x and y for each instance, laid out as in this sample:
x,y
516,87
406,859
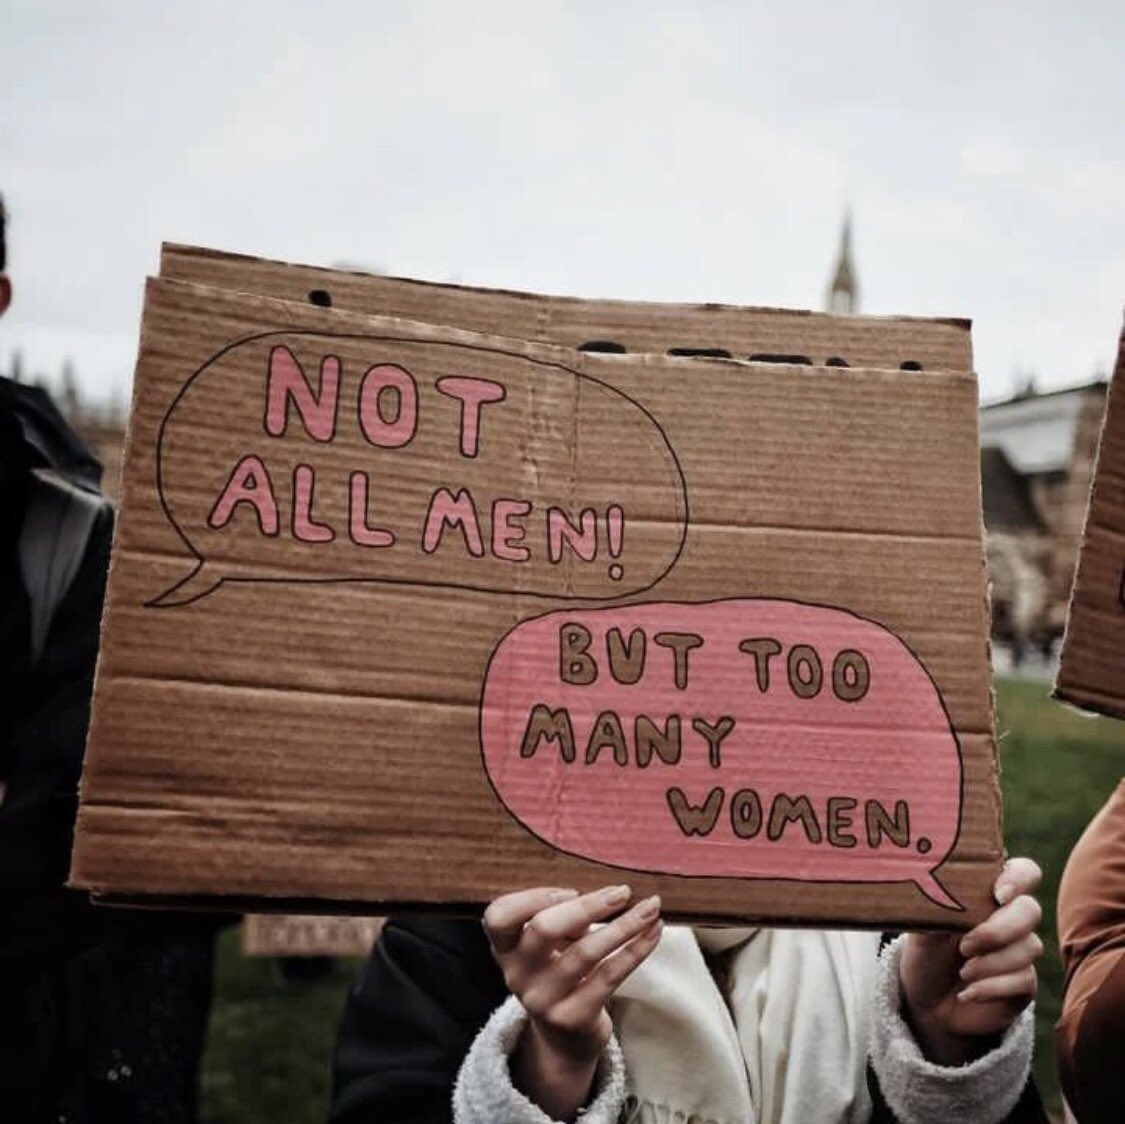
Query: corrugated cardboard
x,y
287,934
354,726
714,330
1092,665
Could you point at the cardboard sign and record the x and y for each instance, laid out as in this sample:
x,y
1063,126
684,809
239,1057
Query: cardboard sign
x,y
403,615
1092,665
286,934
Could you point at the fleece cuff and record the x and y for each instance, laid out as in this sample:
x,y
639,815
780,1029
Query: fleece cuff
x,y
484,1093
919,1092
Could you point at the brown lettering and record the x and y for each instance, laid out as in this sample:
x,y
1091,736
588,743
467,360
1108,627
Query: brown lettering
x,y
626,658
763,649
897,830
649,738
693,820
552,725
575,665
714,734
785,810
805,685
681,644
607,732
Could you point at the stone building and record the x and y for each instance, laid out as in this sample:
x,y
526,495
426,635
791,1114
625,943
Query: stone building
x,y
843,289
1037,462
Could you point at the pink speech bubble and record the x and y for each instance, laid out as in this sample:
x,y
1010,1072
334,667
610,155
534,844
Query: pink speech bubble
x,y
304,456
743,738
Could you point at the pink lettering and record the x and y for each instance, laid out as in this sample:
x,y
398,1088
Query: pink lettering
x,y
249,483
379,384
506,538
286,383
361,533
305,528
456,511
582,540
472,393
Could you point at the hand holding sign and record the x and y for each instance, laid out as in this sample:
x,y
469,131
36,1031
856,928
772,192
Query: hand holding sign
x,y
961,987
564,972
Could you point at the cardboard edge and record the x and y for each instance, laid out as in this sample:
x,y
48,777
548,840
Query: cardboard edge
x,y
237,905
173,249
551,353
1076,695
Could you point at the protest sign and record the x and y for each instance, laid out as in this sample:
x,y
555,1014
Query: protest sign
x,y
287,934
1092,664
405,615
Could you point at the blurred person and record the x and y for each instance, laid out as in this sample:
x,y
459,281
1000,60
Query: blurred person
x,y
102,1011
1090,1033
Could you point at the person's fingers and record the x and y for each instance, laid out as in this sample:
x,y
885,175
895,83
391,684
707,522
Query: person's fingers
x,y
582,1007
557,981
505,918
1009,924
1016,987
1018,876
569,920
1011,958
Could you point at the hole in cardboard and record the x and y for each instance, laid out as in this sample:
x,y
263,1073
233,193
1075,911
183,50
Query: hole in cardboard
x,y
320,297
607,346
768,357
835,361
701,352
910,365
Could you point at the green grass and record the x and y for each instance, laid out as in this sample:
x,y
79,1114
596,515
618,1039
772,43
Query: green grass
x,y
1058,768
269,1048
270,1045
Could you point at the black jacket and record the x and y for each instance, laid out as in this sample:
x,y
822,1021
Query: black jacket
x,y
427,989
102,1011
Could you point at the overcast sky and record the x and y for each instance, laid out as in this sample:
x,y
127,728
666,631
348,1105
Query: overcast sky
x,y
690,151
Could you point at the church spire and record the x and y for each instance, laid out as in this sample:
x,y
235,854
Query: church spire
x,y
843,293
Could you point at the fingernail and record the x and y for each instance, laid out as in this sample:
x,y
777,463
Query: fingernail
x,y
965,973
615,895
966,948
563,895
966,995
649,908
1004,892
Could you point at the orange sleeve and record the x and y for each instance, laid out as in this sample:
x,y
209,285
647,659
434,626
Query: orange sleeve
x,y
1090,1034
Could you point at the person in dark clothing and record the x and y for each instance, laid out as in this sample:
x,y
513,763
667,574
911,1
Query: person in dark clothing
x,y
102,1012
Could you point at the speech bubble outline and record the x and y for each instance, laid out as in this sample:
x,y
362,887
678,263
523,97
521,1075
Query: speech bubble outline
x,y
201,581
925,879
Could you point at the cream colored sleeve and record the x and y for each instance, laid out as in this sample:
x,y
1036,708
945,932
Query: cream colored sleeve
x,y
484,1093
